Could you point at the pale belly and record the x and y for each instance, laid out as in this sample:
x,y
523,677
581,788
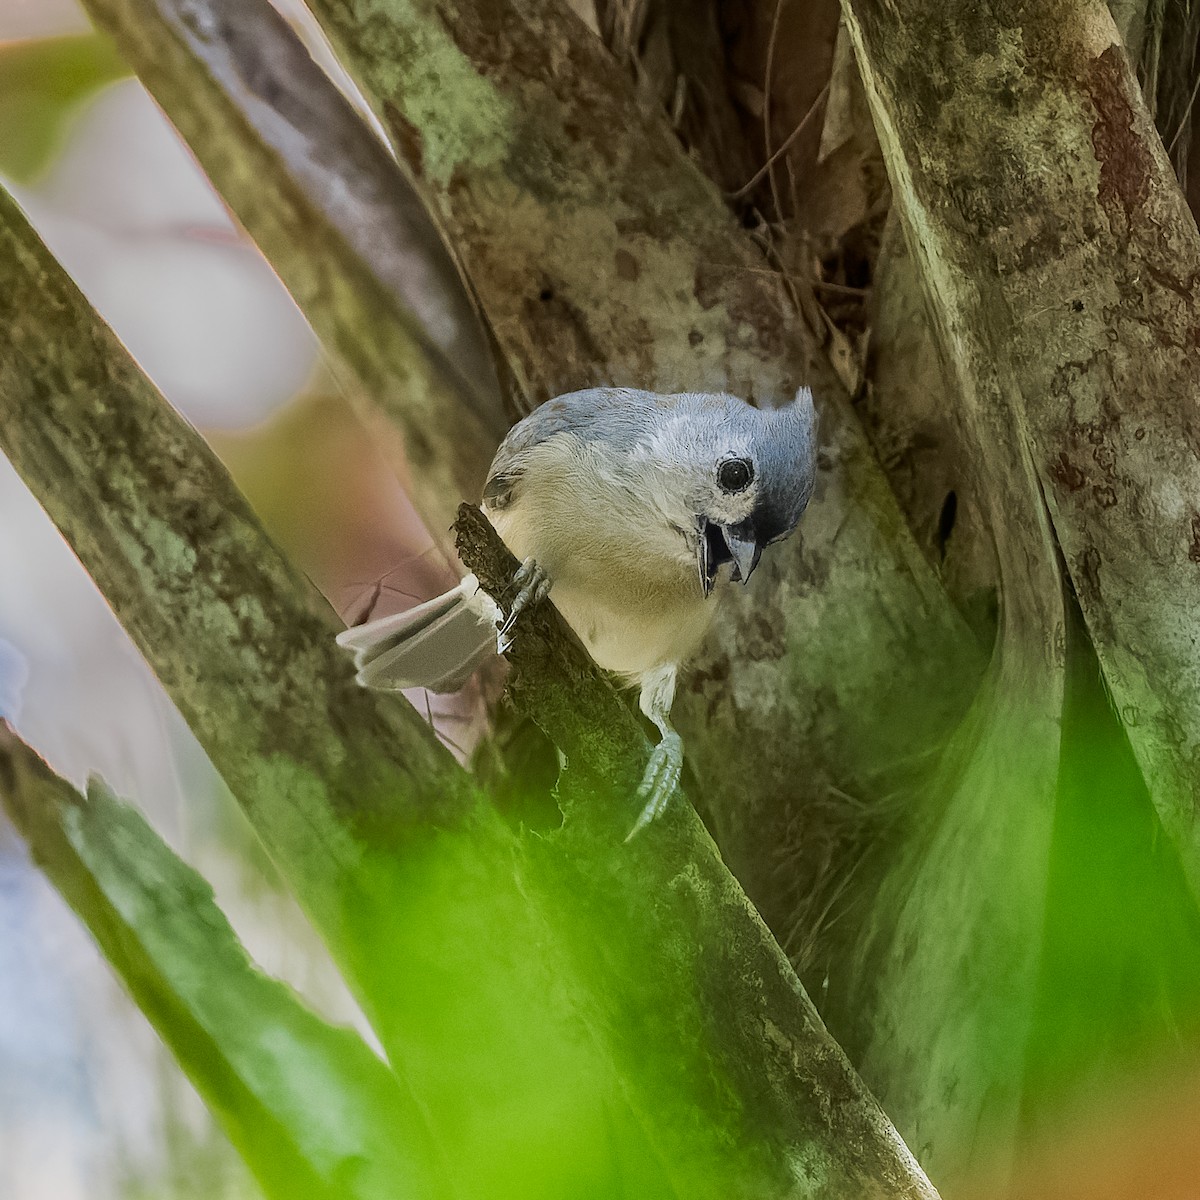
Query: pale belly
x,y
628,635
634,602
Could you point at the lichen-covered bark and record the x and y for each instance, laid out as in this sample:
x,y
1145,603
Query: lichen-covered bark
x,y
336,218
601,254
741,1040
251,1049
1041,217
1037,195
688,289
185,564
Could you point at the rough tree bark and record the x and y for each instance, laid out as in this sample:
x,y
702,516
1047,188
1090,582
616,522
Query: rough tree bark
x,y
1061,263
761,1016
920,1031
910,410
911,873
364,811
1060,270
1057,259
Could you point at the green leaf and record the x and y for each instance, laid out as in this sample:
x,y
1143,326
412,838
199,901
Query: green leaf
x,y
315,1114
43,86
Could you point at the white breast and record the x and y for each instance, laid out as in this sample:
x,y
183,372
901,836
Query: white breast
x,y
612,543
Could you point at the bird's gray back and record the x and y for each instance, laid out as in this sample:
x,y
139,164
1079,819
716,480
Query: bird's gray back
x,y
624,419
606,414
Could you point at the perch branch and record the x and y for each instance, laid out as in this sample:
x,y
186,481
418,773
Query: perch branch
x,y
402,868
663,916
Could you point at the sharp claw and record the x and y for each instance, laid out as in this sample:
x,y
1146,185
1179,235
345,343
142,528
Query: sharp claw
x,y
640,824
533,586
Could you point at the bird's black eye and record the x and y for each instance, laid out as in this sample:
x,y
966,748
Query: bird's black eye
x,y
734,474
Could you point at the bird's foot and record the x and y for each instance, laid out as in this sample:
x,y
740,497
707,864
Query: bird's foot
x,y
533,585
660,781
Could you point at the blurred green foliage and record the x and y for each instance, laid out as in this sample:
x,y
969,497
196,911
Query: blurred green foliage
x,y
43,85
1119,987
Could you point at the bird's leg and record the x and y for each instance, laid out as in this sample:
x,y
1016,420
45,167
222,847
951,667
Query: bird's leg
x,y
661,777
533,585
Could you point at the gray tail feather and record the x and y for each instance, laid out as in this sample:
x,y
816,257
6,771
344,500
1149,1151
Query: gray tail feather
x,y
437,645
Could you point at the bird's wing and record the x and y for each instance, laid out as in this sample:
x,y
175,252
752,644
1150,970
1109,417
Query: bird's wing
x,y
608,413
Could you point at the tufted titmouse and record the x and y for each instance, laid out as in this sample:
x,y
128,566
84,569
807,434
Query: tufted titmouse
x,y
623,507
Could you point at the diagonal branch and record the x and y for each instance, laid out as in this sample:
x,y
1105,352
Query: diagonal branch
x,y
251,1049
408,876
335,217
474,957
240,639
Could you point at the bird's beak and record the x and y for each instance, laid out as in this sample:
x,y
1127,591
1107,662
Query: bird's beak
x,y
719,544
744,550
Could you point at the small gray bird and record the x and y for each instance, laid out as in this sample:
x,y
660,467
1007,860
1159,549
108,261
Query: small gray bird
x,y
623,507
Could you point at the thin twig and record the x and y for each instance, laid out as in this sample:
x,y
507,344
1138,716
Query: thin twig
x,y
1187,115
784,147
840,288
769,74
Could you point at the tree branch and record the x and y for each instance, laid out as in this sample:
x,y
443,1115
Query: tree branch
x,y
1058,262
663,916
1085,327
407,874
337,219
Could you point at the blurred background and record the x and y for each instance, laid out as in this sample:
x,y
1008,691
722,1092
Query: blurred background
x,y
90,1104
